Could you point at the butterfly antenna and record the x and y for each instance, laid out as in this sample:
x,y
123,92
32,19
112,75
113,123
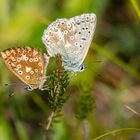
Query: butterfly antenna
x,y
98,61
14,84
11,90
10,93
45,87
101,77
1,85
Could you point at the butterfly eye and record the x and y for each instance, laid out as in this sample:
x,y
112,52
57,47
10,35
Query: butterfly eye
x,y
27,77
29,88
20,72
81,67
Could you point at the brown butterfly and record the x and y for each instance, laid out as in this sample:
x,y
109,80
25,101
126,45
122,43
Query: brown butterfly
x,y
28,64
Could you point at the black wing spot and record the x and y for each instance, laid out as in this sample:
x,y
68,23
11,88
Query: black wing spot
x,y
83,38
76,43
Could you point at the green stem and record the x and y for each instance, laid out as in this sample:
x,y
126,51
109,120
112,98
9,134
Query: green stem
x,y
116,131
50,119
136,8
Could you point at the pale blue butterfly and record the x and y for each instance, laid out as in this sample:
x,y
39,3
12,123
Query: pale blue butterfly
x,y
71,39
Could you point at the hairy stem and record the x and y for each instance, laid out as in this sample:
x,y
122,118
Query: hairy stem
x,y
85,130
50,118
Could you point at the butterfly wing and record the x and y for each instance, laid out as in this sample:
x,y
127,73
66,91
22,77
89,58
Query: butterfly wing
x,y
71,39
26,63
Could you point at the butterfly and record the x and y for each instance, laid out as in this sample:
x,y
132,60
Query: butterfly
x,y
28,64
71,39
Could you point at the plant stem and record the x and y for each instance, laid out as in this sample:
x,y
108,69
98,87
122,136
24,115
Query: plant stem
x,y
116,131
48,124
132,110
50,118
136,8
85,130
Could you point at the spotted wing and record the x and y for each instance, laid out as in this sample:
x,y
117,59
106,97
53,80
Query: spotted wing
x,y
26,63
71,39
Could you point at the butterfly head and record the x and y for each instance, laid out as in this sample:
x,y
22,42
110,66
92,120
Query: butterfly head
x,y
81,68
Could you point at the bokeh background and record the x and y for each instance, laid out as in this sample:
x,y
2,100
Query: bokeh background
x,y
111,78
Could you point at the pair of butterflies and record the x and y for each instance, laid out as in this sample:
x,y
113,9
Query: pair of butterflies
x,y
69,38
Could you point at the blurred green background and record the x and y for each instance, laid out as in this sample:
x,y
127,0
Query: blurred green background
x,y
113,83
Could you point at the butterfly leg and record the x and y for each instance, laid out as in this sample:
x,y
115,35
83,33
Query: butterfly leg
x,y
45,87
46,58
